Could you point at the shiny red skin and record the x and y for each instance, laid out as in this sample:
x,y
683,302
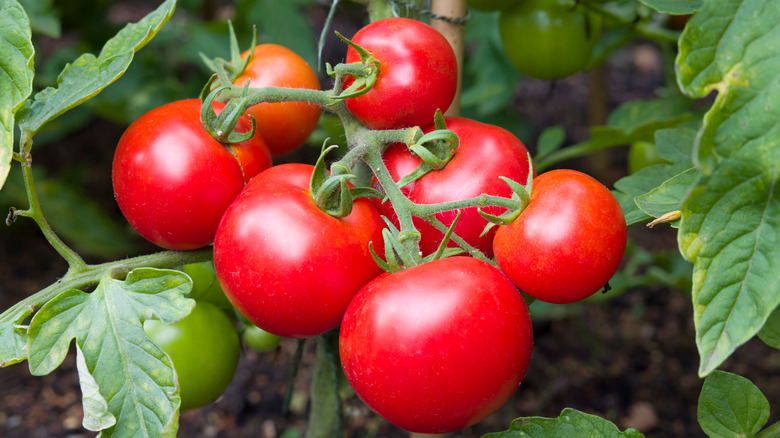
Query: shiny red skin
x,y
485,152
285,126
437,347
287,266
173,181
568,242
418,74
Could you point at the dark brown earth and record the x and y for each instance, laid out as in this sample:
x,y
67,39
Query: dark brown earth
x,y
631,359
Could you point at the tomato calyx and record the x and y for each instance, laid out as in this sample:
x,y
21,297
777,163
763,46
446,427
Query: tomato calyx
x,y
365,72
330,191
521,193
221,126
228,71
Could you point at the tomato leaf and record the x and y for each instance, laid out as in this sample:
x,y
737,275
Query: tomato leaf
x,y
674,7
551,139
16,68
570,423
731,220
770,333
668,196
731,406
133,376
89,75
675,146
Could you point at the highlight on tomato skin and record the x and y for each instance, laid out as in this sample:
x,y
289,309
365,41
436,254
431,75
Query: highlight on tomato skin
x,y
567,244
437,347
173,181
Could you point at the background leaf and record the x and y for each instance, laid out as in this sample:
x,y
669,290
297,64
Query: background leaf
x,y
675,146
89,75
16,70
43,17
674,7
770,333
570,424
133,375
731,406
731,221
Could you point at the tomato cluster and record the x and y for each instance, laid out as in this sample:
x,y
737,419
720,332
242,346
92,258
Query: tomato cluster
x,y
441,342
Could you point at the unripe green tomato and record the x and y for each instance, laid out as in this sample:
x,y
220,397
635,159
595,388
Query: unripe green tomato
x,y
205,286
642,154
260,340
490,5
204,348
549,39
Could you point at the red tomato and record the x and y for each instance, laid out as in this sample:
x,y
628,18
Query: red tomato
x,y
568,242
437,347
173,181
418,74
485,153
287,266
285,126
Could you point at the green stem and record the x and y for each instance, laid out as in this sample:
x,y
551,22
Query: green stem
x,y
90,275
479,201
34,212
772,431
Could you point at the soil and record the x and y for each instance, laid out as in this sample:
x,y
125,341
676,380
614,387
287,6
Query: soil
x,y
631,359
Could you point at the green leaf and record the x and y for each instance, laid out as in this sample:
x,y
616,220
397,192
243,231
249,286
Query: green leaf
x,y
731,220
640,119
96,414
770,333
89,75
731,406
569,424
13,335
133,375
551,139
669,196
675,146
43,18
16,69
674,7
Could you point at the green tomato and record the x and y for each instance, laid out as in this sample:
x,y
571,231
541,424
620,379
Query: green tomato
x,y
204,348
205,286
490,5
642,154
259,339
549,39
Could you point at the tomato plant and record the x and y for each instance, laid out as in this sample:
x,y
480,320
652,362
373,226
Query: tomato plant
x,y
418,74
287,266
485,152
568,242
285,126
437,347
173,181
642,154
204,348
563,37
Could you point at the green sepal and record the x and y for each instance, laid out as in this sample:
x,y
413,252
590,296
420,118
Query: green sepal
x,y
438,120
330,192
442,250
378,260
229,71
520,193
436,148
221,127
364,72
